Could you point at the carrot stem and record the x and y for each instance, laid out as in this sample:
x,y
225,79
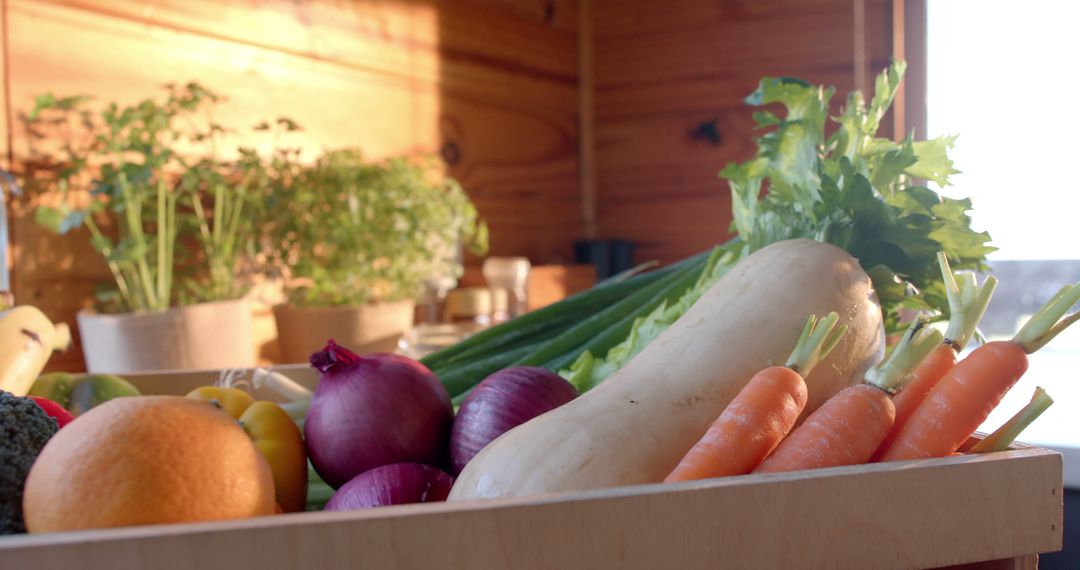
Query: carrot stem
x,y
967,303
893,373
1005,435
815,343
1049,320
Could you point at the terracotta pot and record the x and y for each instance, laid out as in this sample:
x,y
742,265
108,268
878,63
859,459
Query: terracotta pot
x,y
203,336
363,329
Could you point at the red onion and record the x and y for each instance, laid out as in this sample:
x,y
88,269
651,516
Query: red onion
x,y
396,484
500,402
371,411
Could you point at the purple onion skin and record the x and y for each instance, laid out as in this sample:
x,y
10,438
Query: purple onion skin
x,y
394,484
371,411
501,402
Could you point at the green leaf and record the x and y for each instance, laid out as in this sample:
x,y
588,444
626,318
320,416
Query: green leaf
x,y
886,86
41,102
889,286
932,160
101,243
126,250
51,218
852,190
791,149
588,370
289,124
856,193
890,165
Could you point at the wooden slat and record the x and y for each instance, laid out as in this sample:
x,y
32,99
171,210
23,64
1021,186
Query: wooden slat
x,y
68,50
618,18
700,223
420,33
5,157
665,69
559,14
917,514
1029,562
659,186
5,126
587,120
702,95
502,147
815,36
909,37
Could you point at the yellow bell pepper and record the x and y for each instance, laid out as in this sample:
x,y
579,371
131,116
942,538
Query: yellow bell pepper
x,y
276,436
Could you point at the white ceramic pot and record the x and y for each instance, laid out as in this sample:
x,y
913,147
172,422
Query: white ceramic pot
x,y
363,329
203,336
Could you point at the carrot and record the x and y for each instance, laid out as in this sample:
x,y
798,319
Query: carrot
x,y
963,399
762,413
925,377
967,303
849,427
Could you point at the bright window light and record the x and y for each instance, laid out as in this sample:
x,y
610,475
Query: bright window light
x,y
1003,76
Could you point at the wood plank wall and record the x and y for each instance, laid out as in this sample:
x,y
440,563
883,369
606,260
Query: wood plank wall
x,y
670,74
489,84
492,85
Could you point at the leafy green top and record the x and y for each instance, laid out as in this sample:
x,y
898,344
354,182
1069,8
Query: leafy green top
x,y
145,177
347,230
854,190
850,188
132,176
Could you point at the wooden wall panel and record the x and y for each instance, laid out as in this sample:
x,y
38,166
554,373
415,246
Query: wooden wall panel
x,y
664,70
5,110
408,38
489,83
559,14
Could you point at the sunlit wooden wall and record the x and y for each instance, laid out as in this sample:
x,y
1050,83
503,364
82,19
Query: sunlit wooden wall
x,y
563,119
489,84
669,80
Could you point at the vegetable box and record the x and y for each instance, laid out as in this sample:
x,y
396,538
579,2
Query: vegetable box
x,y
999,510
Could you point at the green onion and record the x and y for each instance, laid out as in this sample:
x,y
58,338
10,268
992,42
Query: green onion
x,y
487,340
461,378
601,343
585,331
548,321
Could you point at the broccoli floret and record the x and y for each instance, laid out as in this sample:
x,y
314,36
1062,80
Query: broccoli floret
x,y
24,429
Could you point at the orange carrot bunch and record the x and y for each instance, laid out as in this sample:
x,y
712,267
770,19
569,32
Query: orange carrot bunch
x,y
850,426
966,395
917,403
967,303
764,411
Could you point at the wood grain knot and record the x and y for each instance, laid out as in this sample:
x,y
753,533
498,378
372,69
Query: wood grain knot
x,y
549,12
709,131
451,153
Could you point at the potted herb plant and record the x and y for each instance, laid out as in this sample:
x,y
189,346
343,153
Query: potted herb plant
x,y
356,240
175,225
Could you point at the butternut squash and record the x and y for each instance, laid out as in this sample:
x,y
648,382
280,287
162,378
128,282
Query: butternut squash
x,y
636,426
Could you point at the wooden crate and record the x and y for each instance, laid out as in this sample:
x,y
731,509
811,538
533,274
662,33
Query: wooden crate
x,y
1004,507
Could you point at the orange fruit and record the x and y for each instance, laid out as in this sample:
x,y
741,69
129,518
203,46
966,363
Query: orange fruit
x,y
147,460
